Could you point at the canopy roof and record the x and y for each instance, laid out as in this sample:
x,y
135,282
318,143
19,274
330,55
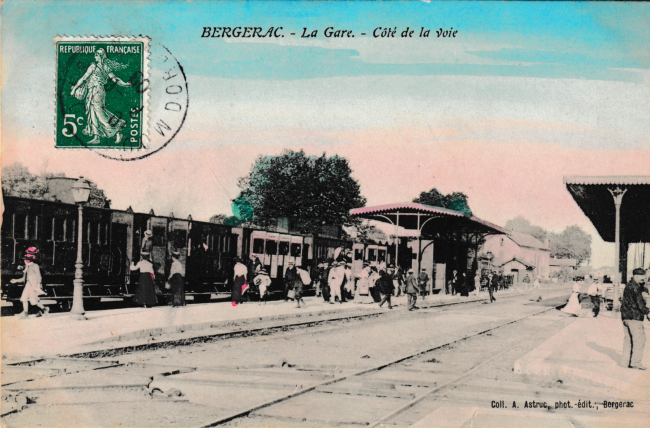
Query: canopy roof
x,y
414,216
592,194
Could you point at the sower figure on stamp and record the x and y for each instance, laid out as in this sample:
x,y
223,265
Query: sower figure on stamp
x,y
633,309
100,122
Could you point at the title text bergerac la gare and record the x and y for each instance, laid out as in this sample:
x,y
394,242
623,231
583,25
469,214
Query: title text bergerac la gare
x,y
329,32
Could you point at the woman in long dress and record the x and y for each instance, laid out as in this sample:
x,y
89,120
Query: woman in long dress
x,y
263,282
239,281
573,306
99,122
146,289
33,288
177,280
363,287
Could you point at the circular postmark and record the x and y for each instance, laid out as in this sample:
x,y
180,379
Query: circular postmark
x,y
123,98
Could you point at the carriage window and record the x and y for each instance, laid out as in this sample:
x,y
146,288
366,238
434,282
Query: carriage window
x,y
7,226
19,231
48,228
100,233
180,236
372,255
358,254
158,238
284,248
271,247
382,256
58,224
295,250
70,229
93,232
258,246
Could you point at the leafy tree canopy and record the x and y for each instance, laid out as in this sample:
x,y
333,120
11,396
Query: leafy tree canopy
x,y
218,218
572,243
18,181
316,190
456,201
523,225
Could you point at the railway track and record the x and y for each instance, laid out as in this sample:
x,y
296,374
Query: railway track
x,y
242,382
404,394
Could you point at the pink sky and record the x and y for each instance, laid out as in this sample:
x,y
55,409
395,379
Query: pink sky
x,y
502,179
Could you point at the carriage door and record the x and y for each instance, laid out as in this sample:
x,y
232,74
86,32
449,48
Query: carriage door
x,y
357,258
296,250
381,257
271,253
283,254
158,226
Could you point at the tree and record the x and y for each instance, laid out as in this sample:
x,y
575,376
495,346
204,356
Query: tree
x,y
18,181
367,233
218,218
315,190
573,243
523,225
456,201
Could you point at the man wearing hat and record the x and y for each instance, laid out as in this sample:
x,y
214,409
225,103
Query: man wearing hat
x,y
633,309
290,278
423,280
412,289
324,278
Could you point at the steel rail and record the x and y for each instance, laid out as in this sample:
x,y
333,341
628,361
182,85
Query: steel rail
x,y
446,384
294,394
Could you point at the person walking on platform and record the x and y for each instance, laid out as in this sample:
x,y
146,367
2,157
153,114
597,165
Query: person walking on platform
x,y
463,285
453,283
33,287
493,284
290,276
412,289
633,309
146,289
263,282
239,281
594,294
335,281
423,280
177,280
477,282
324,278
317,274
385,285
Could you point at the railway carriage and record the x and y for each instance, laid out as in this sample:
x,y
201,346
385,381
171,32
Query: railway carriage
x,y
112,239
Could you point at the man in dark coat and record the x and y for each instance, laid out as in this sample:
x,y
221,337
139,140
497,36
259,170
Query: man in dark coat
x,y
633,309
290,277
385,285
423,281
412,289
324,278
493,284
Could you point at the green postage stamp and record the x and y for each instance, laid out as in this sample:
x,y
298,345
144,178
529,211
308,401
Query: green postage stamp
x,y
101,92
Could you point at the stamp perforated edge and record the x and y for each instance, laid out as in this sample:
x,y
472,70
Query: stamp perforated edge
x,y
145,74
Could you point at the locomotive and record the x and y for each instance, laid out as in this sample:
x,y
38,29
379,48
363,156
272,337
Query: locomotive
x,y
111,239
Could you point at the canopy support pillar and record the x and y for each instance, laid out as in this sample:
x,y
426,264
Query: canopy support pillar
x,y
617,194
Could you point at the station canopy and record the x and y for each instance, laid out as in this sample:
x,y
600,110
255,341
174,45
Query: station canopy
x,y
594,197
426,219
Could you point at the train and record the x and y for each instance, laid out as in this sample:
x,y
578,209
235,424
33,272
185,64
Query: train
x,y
111,239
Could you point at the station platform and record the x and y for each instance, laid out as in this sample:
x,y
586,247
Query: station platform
x,y
57,334
584,356
589,350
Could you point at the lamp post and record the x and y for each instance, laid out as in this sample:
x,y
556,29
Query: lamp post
x,y
80,193
617,194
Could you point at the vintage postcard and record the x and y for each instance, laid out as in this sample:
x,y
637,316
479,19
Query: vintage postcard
x,y
325,214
